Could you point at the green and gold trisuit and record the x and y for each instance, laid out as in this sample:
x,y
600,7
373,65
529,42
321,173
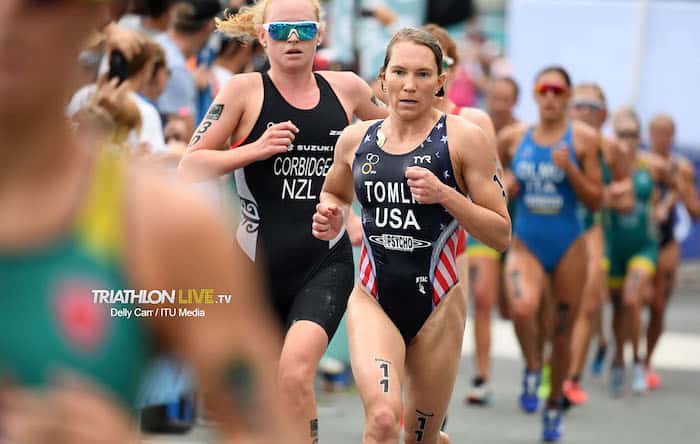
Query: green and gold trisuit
x,y
630,238
48,318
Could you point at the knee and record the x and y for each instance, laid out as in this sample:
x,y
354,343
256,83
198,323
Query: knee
x,y
591,313
589,310
522,311
296,382
594,271
630,303
383,423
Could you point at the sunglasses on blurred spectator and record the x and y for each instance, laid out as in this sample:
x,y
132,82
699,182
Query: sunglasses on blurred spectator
x,y
590,105
447,62
543,88
305,30
630,134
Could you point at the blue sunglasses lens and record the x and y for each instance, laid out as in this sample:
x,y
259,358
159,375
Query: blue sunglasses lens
x,y
281,30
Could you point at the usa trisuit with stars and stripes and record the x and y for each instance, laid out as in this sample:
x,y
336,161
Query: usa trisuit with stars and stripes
x,y
408,249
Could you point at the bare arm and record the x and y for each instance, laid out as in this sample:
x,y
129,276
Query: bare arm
x,y
125,40
505,144
480,119
619,193
204,158
665,206
617,158
661,168
587,182
337,192
619,196
686,184
655,200
363,102
485,216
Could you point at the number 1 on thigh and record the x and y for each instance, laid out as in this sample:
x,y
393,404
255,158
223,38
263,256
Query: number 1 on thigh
x,y
384,380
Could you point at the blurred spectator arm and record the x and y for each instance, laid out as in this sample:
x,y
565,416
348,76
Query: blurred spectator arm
x,y
385,15
586,181
127,41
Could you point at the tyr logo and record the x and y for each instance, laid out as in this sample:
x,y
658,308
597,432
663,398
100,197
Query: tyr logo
x,y
422,159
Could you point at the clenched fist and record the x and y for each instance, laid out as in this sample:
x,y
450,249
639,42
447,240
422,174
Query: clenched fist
x,y
327,222
275,140
425,187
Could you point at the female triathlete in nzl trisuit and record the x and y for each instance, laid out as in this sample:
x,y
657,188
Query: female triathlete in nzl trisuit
x,y
406,315
556,165
285,123
77,219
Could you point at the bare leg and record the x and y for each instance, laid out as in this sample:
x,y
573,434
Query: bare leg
x,y
590,304
566,292
432,361
377,355
664,281
303,347
524,278
485,275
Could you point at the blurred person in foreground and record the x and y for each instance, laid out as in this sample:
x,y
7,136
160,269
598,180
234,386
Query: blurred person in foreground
x,y
78,219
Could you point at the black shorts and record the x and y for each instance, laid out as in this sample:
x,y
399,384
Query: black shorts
x,y
323,297
666,235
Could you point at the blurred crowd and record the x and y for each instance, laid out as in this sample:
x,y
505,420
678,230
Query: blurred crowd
x,y
148,78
